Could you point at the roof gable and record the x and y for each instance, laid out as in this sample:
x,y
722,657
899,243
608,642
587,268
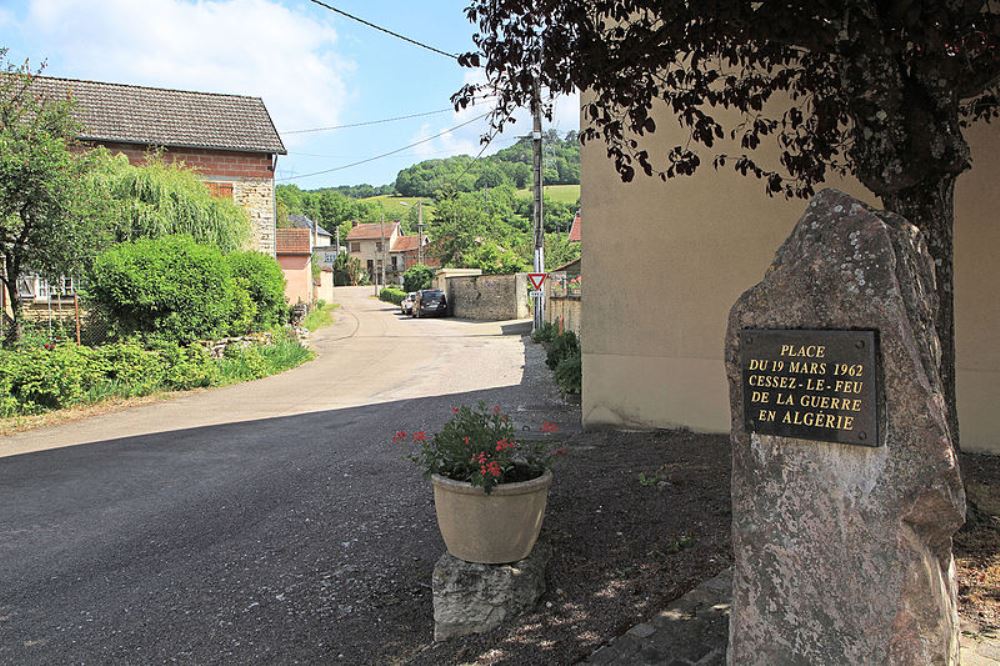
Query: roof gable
x,y
373,231
115,112
405,244
293,241
303,222
576,231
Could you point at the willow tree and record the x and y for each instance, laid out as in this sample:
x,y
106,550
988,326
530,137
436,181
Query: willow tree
x,y
878,89
161,198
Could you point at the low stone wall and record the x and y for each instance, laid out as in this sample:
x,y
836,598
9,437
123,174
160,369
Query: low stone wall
x,y
489,297
565,309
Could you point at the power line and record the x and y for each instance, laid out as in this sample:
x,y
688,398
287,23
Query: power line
x,y
452,56
369,122
508,141
391,152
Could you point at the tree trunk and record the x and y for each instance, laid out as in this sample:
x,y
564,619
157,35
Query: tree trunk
x,y
8,281
931,207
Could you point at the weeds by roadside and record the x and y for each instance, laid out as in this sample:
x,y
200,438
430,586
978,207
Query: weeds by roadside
x,y
319,317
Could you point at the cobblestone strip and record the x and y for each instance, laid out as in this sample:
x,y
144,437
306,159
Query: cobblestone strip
x,y
694,631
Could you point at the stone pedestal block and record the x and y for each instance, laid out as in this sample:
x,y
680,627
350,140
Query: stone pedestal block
x,y
474,598
843,552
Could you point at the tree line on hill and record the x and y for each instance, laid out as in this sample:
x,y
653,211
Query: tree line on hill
x,y
473,214
510,166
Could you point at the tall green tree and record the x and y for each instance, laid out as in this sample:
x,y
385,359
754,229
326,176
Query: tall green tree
x,y
47,223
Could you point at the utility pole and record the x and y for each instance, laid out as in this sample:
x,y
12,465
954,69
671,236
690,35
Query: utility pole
x,y
420,231
536,143
381,232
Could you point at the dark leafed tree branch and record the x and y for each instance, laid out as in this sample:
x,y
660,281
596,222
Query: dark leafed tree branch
x,y
877,89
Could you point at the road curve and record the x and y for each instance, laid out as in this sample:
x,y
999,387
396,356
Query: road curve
x,y
266,522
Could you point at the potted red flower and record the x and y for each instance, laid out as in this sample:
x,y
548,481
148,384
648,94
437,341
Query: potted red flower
x,y
490,490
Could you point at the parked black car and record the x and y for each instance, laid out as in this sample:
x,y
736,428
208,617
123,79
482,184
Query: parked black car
x,y
430,303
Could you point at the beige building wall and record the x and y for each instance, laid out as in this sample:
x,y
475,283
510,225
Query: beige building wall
x,y
671,258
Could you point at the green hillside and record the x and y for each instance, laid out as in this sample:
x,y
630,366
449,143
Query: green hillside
x,y
394,205
567,194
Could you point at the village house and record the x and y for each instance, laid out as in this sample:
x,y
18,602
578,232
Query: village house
x,y
322,238
707,238
375,243
294,254
229,139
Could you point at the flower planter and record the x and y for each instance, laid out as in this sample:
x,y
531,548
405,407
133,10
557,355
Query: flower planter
x,y
490,529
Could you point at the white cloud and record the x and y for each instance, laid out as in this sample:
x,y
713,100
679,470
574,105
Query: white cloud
x,y
466,140
247,47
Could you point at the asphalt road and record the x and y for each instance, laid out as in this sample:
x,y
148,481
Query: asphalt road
x,y
271,522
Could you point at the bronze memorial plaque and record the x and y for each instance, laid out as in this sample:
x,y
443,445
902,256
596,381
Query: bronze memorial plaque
x,y
807,384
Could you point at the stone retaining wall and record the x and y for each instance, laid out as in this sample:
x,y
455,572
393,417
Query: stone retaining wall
x,y
489,297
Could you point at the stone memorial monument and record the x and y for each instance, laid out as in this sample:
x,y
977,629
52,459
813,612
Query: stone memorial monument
x,y
846,489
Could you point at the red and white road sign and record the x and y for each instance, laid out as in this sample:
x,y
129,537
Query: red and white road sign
x,y
537,279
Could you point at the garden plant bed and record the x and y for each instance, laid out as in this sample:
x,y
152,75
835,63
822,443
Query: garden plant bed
x,y
625,545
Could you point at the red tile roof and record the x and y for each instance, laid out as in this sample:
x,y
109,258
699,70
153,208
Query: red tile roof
x,y
293,241
374,231
576,231
405,244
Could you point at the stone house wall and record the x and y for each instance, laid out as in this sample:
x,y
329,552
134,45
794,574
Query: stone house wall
x,y
489,297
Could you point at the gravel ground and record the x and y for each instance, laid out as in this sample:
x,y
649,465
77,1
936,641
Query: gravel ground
x,y
977,545
624,547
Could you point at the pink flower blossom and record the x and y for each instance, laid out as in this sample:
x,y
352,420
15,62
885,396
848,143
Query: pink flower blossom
x,y
548,426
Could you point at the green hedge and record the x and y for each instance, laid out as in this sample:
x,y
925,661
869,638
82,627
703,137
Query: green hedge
x,y
41,379
392,295
261,277
173,289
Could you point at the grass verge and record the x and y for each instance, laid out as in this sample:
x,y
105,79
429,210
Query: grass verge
x,y
319,317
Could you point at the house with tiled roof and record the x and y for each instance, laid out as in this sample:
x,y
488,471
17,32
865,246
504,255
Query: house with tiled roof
x,y
373,243
229,139
293,248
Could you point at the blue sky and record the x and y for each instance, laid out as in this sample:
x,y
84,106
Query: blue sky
x,y
312,67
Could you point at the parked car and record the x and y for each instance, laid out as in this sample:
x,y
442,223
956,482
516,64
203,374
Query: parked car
x,y
406,305
430,303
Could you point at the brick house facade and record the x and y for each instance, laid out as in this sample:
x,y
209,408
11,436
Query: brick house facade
x,y
229,139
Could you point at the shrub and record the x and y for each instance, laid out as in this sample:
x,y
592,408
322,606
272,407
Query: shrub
x,y
418,277
40,378
261,277
569,373
546,333
392,295
169,288
188,367
562,346
136,370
